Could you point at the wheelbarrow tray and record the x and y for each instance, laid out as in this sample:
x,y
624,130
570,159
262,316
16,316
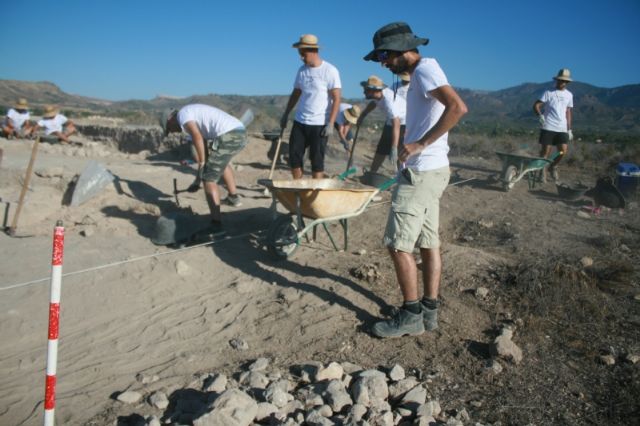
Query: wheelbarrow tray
x,y
529,161
322,198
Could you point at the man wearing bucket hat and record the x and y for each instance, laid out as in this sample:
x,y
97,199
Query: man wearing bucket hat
x,y
55,124
347,117
17,123
217,137
554,110
394,105
433,108
317,87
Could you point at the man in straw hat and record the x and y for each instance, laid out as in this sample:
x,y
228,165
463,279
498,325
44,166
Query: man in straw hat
x,y
317,87
347,117
17,123
217,137
433,108
56,124
394,106
554,110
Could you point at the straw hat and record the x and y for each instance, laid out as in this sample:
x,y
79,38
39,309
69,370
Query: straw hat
x,y
396,36
405,76
352,114
21,104
50,111
307,41
564,74
373,82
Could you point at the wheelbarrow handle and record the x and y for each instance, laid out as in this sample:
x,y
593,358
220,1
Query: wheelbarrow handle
x,y
345,174
388,184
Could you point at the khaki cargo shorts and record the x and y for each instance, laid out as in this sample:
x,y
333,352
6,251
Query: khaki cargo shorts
x,y
414,217
220,152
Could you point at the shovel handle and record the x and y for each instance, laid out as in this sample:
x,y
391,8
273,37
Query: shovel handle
x,y
353,148
277,153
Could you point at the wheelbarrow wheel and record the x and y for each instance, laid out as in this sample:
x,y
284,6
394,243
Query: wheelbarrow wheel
x,y
282,237
509,177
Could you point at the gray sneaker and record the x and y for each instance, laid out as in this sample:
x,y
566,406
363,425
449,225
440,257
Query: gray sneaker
x,y
429,317
401,323
232,200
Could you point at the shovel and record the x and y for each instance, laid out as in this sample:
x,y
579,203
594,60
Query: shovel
x,y
11,231
275,158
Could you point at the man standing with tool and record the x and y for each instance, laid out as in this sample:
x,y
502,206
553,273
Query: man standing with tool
x,y
318,88
554,110
394,105
433,108
217,137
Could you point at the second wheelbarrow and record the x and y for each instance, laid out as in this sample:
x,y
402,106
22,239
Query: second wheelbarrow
x,y
516,167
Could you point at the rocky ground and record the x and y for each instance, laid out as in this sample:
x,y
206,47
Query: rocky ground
x,y
539,322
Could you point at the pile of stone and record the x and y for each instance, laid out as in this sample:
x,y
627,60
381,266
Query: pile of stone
x,y
311,394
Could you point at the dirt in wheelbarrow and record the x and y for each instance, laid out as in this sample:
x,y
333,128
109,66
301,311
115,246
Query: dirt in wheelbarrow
x,y
142,318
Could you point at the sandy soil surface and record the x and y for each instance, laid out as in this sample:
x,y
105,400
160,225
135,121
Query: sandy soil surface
x,y
130,308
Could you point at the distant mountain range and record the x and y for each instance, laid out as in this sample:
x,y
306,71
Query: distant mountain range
x,y
598,112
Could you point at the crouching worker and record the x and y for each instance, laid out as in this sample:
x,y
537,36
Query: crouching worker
x,y
217,137
56,125
17,123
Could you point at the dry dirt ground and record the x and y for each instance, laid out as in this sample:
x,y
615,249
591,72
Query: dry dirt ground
x,y
134,308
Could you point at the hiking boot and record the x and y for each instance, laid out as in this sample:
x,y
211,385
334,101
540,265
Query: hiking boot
x,y
401,323
429,318
232,200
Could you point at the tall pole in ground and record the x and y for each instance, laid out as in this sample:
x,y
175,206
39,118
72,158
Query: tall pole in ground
x,y
54,322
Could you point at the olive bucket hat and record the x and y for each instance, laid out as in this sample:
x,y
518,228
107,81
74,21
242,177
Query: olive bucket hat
x,y
396,36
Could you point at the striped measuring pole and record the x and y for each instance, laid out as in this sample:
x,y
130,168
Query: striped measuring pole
x,y
54,321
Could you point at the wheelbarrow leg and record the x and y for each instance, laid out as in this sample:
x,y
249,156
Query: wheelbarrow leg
x,y
345,228
299,215
324,225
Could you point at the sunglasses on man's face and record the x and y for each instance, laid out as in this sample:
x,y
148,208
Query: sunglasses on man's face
x,y
384,55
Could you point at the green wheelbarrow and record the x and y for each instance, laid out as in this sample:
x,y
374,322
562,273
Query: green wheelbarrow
x,y
516,167
313,202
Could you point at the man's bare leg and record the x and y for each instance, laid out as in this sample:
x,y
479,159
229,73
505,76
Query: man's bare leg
x,y
431,272
317,175
296,172
378,159
406,273
212,194
229,180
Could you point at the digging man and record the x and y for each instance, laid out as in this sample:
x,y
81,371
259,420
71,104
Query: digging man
x,y
217,137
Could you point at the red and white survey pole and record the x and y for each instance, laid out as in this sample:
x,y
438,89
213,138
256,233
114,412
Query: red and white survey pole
x,y
54,321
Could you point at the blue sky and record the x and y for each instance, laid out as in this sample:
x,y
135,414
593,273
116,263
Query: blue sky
x,y
132,49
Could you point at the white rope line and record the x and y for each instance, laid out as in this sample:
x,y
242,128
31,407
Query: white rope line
x,y
136,259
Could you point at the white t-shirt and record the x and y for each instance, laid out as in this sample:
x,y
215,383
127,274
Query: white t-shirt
x,y
423,112
210,121
393,108
16,118
556,103
340,119
54,124
315,83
